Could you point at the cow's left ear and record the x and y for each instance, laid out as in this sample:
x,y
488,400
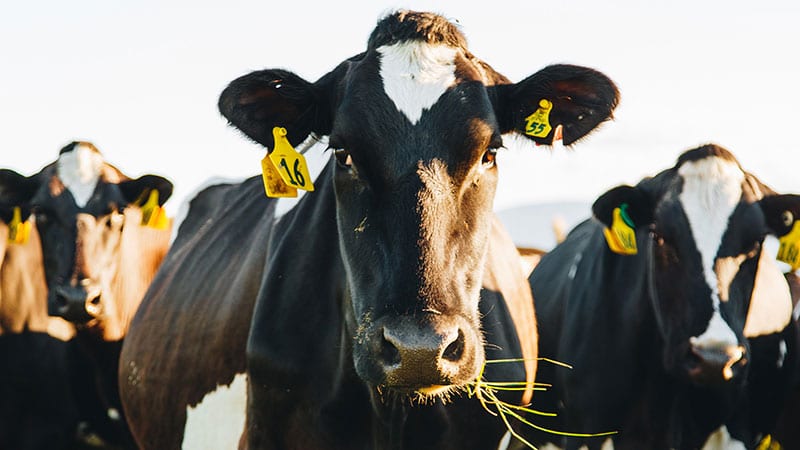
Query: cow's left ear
x,y
138,190
17,190
576,99
635,204
781,212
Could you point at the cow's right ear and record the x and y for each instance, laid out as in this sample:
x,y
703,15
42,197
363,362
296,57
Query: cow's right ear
x,y
259,101
16,190
571,98
637,206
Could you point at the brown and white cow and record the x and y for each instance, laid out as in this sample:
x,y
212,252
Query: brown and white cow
x,y
98,256
356,318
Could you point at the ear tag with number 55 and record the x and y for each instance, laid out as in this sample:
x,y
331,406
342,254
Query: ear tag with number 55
x,y
538,123
290,164
18,231
789,250
621,238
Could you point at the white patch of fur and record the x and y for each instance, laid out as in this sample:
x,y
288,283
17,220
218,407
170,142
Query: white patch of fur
x,y
416,74
782,350
712,187
217,422
79,171
717,335
504,441
722,440
771,302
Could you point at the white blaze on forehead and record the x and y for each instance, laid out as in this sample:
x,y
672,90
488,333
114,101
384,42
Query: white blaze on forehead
x,y
712,187
218,420
79,169
416,74
722,440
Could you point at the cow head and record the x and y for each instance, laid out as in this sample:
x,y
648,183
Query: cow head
x,y
701,226
87,215
414,124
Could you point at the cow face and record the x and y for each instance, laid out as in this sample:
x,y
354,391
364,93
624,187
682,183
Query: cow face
x,y
707,220
82,207
414,124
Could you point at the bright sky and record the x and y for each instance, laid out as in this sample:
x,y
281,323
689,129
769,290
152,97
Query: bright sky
x,y
140,79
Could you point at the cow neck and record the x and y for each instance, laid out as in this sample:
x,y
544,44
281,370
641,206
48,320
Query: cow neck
x,y
652,291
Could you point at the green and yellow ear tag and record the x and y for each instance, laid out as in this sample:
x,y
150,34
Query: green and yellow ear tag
x,y
284,170
153,215
18,231
789,250
538,123
621,237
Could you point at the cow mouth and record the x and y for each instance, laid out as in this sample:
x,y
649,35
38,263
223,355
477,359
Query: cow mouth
x,y
715,366
422,395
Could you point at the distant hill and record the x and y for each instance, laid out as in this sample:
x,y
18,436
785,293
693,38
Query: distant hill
x,y
532,225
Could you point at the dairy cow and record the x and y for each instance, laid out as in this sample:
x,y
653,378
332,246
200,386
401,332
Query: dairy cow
x,y
357,318
97,258
661,331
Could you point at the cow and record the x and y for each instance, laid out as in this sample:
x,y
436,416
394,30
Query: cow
x,y
37,410
361,316
659,331
97,260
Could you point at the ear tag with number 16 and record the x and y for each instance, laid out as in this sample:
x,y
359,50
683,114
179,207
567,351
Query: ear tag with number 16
x,y
289,163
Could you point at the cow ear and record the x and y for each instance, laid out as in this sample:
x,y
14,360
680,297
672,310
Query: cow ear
x,y
259,101
781,212
573,99
16,189
138,190
639,206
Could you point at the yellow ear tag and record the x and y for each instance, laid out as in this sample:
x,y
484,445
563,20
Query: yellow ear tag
x,y
621,238
273,183
290,164
153,215
538,123
18,231
789,250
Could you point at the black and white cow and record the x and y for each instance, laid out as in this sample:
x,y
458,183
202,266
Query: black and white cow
x,y
660,341
355,319
97,258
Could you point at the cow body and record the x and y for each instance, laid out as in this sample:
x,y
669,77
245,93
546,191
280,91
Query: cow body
x,y
660,341
358,318
97,259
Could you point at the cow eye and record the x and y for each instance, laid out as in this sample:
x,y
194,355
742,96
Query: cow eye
x,y
489,157
343,158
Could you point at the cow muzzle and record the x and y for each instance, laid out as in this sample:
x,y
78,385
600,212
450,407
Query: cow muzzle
x,y
428,358
75,304
716,365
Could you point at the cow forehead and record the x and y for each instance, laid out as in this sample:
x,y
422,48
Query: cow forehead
x,y
415,74
79,170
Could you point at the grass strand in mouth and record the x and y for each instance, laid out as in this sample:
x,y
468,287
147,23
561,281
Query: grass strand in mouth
x,y
486,393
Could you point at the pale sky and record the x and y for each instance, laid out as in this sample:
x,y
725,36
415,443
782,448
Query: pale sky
x,y
140,79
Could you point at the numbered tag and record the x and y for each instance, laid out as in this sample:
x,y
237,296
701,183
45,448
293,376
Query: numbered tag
x,y
18,231
290,164
273,183
153,215
789,250
621,237
538,123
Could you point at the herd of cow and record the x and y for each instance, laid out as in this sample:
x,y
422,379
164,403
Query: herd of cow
x,y
382,308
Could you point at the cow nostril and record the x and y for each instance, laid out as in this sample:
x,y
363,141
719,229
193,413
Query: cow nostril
x,y
389,354
455,350
61,302
95,301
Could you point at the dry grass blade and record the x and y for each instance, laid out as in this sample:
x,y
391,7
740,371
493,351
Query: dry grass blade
x,y
486,393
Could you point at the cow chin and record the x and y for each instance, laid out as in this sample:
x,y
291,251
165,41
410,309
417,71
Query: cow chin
x,y
422,359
